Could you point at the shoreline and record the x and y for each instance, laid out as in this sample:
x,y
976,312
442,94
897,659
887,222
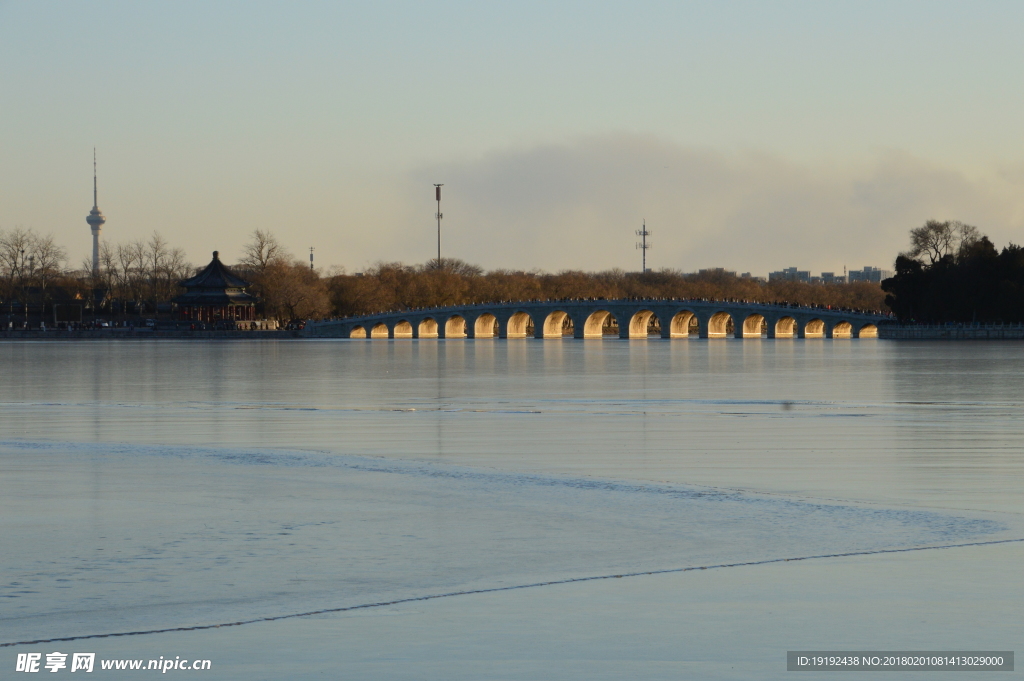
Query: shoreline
x,y
885,332
145,334
943,332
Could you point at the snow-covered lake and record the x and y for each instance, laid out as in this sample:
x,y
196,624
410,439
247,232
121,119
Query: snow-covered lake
x,y
568,509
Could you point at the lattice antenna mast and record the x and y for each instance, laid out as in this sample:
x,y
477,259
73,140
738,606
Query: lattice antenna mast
x,y
311,249
642,244
438,215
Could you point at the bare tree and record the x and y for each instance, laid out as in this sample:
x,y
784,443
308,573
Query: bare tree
x,y
15,247
165,267
262,251
935,240
130,270
48,261
29,260
293,291
107,275
966,236
453,266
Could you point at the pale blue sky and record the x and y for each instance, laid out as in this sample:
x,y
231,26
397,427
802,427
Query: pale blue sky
x,y
750,135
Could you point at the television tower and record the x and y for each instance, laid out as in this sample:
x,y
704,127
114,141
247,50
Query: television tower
x,y
95,221
643,245
438,216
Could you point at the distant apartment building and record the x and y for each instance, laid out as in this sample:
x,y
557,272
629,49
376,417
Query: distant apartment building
x,y
790,274
872,274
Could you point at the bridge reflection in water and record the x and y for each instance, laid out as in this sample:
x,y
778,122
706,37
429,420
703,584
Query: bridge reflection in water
x,y
603,318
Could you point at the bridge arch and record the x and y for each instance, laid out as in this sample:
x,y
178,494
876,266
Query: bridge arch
x,y
868,331
518,325
785,327
719,324
403,329
681,324
485,326
357,332
814,328
842,329
595,323
379,330
642,323
428,328
753,326
556,324
455,327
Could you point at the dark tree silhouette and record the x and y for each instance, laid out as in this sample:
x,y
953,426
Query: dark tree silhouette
x,y
960,277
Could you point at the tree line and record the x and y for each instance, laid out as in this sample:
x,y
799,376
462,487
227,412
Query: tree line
x,y
395,286
954,274
287,287
32,265
146,273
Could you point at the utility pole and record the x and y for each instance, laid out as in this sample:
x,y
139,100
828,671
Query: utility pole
x,y
31,272
642,244
310,257
437,190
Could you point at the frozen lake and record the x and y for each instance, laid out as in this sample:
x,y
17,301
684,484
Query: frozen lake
x,y
786,495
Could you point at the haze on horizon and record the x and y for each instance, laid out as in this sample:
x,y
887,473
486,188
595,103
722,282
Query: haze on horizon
x,y
752,136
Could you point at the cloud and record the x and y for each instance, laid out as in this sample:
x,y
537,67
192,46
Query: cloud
x,y
577,204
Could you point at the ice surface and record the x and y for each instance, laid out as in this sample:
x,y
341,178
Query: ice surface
x,y
161,485
102,539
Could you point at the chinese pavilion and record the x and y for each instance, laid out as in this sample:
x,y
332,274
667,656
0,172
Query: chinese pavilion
x,y
215,294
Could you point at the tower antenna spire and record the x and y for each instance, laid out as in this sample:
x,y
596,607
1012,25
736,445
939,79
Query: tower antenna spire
x,y
95,220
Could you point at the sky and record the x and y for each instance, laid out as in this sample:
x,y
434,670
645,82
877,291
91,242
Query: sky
x,y
748,135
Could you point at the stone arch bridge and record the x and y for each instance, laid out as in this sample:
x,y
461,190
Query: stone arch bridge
x,y
585,318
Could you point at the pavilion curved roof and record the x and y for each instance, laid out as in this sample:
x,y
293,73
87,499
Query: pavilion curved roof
x,y
215,286
215,276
